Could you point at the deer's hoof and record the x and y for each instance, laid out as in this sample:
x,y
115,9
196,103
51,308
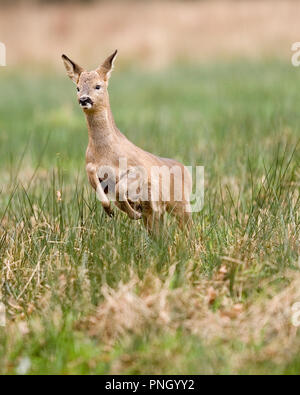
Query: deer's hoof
x,y
109,211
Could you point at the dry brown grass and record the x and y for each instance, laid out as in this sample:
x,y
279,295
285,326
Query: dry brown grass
x,y
155,33
152,305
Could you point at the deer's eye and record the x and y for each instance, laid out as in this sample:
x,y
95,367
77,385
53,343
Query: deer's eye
x,y
98,87
78,89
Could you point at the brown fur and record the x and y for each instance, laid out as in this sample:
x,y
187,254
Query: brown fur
x,y
107,144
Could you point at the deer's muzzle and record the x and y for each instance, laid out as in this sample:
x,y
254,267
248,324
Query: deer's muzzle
x,y
86,102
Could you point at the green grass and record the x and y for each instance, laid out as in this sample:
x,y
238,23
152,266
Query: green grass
x,y
59,260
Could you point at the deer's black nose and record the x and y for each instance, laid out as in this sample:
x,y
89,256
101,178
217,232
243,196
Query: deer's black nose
x,y
84,100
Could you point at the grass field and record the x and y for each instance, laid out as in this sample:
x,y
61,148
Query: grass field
x,y
89,294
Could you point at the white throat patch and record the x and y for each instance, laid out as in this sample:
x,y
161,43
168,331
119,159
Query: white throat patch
x,y
87,106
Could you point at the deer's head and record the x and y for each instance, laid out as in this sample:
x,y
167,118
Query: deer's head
x,y
91,85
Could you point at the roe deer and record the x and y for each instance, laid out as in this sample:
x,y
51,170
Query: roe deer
x,y
107,146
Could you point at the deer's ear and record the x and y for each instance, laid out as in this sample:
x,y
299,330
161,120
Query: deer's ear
x,y
107,66
73,70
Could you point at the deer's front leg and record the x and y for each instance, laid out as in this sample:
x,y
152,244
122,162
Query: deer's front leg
x,y
95,183
122,200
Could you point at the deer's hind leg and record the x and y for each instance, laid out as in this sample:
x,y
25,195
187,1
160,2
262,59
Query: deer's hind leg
x,y
152,217
122,201
152,222
182,212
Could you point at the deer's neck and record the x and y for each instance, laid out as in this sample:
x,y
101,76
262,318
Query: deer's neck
x,y
101,126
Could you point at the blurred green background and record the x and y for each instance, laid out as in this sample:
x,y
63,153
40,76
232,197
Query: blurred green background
x,y
206,82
